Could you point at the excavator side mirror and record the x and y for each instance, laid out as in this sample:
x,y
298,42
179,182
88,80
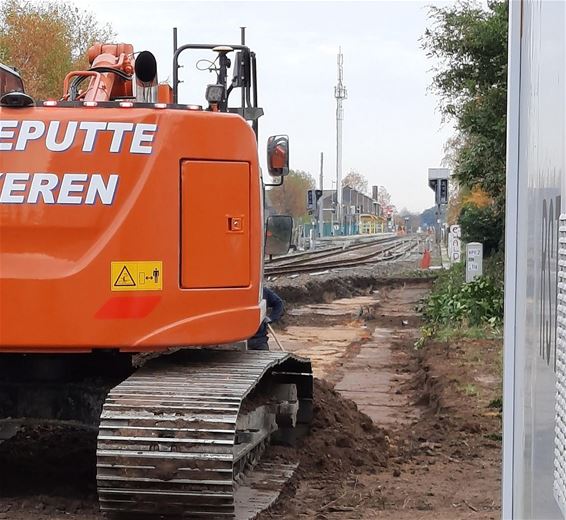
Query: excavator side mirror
x,y
278,233
278,155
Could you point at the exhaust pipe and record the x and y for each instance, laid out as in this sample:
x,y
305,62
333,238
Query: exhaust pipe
x,y
145,69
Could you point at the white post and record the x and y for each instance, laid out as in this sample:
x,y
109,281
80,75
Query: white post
x,y
474,260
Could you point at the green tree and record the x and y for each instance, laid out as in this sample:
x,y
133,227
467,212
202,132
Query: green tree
x,y
469,46
291,197
44,41
481,224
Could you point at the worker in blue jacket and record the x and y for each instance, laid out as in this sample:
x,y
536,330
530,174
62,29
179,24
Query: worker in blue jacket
x,y
275,309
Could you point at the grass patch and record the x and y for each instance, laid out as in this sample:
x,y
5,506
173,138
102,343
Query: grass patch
x,y
469,389
496,403
455,309
450,333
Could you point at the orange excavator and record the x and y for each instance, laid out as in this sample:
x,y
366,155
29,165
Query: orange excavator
x,y
132,242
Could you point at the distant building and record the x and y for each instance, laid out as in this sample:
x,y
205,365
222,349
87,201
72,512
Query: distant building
x,y
362,213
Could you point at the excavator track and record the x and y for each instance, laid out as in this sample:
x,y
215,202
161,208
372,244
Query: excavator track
x,y
180,437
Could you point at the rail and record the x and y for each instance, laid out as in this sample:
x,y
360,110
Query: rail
x,y
391,251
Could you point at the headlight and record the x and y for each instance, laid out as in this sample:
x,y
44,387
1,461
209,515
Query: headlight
x,y
214,93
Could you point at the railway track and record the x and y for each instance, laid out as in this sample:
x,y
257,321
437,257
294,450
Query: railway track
x,y
316,255
392,250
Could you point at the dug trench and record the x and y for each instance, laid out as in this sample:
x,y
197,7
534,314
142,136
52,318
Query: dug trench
x,y
432,449
397,433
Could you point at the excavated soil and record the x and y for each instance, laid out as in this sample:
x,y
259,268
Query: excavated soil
x,y
47,471
342,439
329,285
439,405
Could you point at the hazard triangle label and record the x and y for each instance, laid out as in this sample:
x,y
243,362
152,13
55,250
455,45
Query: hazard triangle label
x,y
143,275
125,279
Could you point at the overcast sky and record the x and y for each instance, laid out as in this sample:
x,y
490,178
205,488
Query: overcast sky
x,y
392,128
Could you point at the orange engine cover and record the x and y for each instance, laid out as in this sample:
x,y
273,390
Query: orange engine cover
x,y
129,228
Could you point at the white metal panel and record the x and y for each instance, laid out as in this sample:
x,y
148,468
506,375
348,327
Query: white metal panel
x,y
535,190
560,414
511,259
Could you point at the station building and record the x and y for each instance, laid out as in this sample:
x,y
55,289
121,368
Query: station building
x,y
362,214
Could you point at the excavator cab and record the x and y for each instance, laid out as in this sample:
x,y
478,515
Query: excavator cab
x,y
10,81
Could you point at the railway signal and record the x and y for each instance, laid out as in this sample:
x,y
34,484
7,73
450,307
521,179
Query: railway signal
x,y
440,188
438,182
443,191
312,198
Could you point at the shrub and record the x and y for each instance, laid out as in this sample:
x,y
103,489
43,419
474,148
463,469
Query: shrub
x,y
477,303
482,224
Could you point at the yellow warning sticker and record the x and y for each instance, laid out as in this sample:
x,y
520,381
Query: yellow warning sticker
x,y
136,276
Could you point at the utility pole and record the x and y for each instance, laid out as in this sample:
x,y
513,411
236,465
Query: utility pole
x,y
340,93
321,201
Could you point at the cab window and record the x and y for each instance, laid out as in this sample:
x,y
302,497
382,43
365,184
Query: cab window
x,y
9,82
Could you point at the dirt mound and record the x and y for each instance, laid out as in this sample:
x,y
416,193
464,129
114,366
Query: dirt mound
x,y
342,439
49,459
343,442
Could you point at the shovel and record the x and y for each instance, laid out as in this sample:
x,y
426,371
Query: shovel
x,y
272,332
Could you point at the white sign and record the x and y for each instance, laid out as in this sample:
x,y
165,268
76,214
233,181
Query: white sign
x,y
438,173
456,230
474,260
455,244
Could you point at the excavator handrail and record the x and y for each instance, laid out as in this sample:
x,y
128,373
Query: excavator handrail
x,y
196,46
85,73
